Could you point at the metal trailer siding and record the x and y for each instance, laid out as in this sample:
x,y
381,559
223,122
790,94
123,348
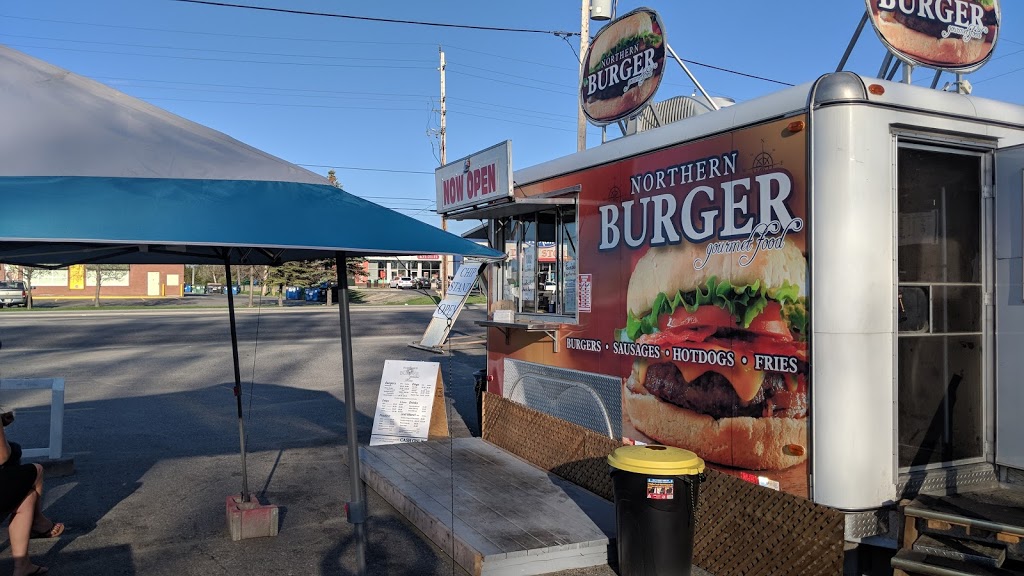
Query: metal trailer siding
x,y
1009,308
854,282
852,254
852,303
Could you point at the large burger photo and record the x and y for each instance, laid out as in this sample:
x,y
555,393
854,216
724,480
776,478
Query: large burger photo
x,y
624,67
946,34
720,354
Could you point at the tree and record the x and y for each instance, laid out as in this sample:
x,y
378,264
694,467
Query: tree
x,y
111,272
290,274
26,276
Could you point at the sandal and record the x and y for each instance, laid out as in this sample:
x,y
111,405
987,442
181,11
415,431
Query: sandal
x,y
55,530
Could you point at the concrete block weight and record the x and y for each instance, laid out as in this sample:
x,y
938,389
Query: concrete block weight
x,y
250,519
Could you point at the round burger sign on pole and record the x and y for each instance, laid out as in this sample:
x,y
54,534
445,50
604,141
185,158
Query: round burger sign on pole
x,y
953,35
624,65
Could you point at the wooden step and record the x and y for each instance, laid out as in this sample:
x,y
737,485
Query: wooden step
x,y
998,517
967,551
921,564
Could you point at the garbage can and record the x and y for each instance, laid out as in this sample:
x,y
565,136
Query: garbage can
x,y
480,385
656,490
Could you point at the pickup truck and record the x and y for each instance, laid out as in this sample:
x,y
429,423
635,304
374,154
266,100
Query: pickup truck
x,y
13,294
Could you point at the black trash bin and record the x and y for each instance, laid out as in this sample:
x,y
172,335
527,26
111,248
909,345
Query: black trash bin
x,y
656,490
480,378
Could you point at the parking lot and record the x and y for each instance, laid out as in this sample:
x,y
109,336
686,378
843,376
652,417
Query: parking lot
x,y
150,422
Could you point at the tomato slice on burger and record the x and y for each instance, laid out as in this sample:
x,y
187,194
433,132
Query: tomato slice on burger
x,y
703,317
770,323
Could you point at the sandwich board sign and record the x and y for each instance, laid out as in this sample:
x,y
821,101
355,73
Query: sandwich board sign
x,y
448,309
410,403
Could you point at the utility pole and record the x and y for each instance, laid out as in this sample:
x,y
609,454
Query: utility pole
x,y
581,120
444,160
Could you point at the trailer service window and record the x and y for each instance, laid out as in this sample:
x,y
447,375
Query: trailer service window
x,y
540,274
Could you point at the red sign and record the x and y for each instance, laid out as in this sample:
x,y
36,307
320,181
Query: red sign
x,y
955,35
624,65
692,263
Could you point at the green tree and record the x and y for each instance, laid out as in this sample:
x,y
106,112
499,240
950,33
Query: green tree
x,y
109,272
293,274
26,276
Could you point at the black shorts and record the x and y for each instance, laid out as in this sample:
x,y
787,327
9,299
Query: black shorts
x,y
16,481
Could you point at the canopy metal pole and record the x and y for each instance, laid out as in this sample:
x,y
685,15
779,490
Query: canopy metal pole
x,y
238,377
357,506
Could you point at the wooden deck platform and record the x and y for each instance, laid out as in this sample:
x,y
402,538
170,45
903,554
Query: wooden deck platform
x,y
510,517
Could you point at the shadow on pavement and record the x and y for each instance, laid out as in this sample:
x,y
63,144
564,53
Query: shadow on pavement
x,y
153,472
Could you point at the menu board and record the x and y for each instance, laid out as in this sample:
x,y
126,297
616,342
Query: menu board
x,y
448,309
407,403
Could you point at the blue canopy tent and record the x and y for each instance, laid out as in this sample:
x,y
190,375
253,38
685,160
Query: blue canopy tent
x,y
91,175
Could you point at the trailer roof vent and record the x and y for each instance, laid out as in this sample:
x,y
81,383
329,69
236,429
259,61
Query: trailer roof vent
x,y
666,112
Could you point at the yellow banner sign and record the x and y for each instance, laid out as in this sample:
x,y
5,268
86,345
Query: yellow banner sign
x,y
76,277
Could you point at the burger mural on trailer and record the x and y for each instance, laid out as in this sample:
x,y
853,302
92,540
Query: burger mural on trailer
x,y
623,67
716,318
954,35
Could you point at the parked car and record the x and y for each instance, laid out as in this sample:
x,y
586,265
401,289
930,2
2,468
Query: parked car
x,y
423,282
394,282
13,294
406,282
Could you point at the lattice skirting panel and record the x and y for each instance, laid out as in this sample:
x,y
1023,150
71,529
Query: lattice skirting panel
x,y
743,529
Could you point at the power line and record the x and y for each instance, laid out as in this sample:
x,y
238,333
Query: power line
x,y
150,46
251,87
219,34
387,20
142,83
235,103
195,58
460,65
339,96
365,169
562,92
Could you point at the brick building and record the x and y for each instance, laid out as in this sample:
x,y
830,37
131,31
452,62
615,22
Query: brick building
x,y
116,281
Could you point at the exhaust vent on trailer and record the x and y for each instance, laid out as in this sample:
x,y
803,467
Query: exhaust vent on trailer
x,y
672,110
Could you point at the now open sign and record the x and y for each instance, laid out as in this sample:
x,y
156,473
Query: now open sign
x,y
476,179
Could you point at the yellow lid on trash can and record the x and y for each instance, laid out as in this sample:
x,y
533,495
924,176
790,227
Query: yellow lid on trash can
x,y
656,460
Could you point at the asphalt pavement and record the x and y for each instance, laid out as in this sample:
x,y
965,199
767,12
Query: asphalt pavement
x,y
151,425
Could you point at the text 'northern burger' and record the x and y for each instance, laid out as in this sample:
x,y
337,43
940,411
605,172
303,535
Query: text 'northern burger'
x,y
725,210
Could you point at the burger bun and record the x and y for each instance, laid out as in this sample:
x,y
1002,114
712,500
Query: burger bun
x,y
742,442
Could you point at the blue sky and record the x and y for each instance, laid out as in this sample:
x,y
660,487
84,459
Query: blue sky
x,y
363,97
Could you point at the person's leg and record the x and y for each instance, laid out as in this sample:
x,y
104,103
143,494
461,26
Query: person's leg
x,y
42,527
19,528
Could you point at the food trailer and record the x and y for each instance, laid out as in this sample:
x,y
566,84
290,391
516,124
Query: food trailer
x,y
819,290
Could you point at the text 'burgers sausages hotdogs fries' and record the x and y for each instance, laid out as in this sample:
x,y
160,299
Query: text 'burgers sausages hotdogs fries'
x,y
735,383
954,35
624,66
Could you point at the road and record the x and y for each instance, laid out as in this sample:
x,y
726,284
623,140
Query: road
x,y
151,425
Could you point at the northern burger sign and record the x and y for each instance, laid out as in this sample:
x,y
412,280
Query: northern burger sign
x,y
624,65
954,35
476,179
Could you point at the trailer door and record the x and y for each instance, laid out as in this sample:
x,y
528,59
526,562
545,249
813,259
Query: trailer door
x,y
942,344
1009,297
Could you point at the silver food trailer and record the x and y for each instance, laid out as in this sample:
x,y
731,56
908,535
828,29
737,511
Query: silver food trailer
x,y
911,204
819,290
